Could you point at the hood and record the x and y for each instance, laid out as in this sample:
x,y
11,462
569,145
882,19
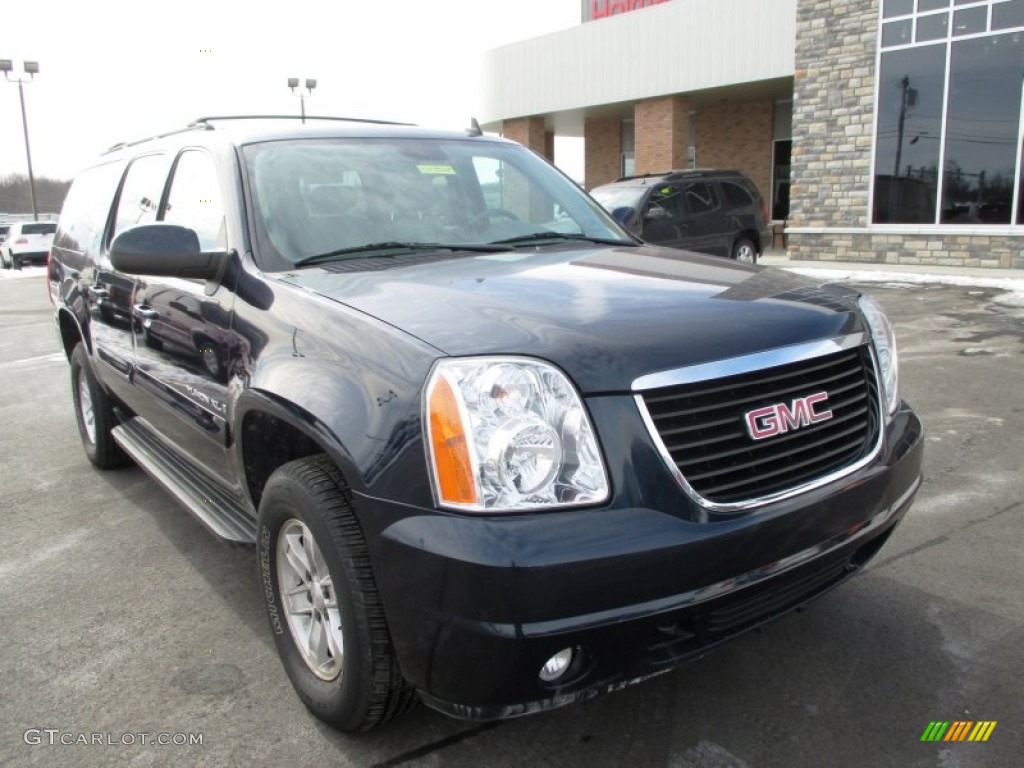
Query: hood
x,y
605,315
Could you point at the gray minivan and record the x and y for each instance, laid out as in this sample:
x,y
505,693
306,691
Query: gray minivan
x,y
711,211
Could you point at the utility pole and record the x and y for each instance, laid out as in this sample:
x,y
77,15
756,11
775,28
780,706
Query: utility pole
x,y
293,83
31,69
908,98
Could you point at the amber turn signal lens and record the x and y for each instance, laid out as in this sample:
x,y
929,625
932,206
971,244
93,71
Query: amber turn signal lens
x,y
448,440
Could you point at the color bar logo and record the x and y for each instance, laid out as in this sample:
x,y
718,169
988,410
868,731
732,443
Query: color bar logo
x,y
959,730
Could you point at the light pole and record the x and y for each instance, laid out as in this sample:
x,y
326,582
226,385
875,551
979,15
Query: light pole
x,y
31,69
293,83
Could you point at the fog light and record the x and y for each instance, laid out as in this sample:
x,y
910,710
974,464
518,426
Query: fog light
x,y
556,666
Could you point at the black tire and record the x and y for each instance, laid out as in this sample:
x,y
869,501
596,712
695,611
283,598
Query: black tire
x,y
744,251
310,495
98,441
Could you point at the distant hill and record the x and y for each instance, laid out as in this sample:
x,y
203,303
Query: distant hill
x,y
15,196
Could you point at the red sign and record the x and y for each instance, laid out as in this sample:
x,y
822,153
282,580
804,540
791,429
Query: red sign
x,y
598,9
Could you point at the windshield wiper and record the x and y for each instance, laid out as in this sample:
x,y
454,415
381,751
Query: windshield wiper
x,y
537,236
395,245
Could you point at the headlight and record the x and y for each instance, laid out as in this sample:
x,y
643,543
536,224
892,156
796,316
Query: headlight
x,y
885,349
509,434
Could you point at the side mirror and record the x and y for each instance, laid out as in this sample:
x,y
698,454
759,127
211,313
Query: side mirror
x,y
655,213
164,250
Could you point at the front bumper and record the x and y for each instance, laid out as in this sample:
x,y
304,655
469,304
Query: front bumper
x,y
477,604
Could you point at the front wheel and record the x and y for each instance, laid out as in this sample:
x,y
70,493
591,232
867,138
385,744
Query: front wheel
x,y
95,414
744,251
322,600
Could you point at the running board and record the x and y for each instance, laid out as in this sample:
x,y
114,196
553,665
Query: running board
x,y
217,508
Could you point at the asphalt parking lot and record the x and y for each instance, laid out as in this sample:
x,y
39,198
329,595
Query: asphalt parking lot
x,y
121,617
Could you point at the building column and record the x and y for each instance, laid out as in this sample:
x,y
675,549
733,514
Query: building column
x,y
602,151
530,132
738,136
662,134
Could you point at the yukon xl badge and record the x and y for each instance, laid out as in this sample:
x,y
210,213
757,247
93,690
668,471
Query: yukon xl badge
x,y
776,419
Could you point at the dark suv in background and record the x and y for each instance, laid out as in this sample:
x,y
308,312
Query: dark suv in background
x,y
710,211
492,451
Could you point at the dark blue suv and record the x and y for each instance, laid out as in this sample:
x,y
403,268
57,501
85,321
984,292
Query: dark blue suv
x,y
491,450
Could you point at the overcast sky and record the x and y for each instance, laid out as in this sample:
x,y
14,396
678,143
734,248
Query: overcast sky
x,y
112,71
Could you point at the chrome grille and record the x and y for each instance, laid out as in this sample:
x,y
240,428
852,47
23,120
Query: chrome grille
x,y
702,426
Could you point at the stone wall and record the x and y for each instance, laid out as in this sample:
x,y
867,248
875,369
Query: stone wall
x,y
932,249
833,110
833,116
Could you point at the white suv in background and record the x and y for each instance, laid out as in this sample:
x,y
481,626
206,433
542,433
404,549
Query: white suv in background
x,y
27,242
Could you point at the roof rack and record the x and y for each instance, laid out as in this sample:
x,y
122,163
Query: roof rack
x,y
193,126
204,124
207,119
676,173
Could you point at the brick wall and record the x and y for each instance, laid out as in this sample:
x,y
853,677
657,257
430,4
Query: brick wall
x,y
530,132
740,137
602,147
662,133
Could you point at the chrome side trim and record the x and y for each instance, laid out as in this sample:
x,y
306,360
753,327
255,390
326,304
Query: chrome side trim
x,y
733,366
712,591
744,506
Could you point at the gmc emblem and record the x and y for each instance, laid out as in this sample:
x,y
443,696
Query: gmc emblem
x,y
778,419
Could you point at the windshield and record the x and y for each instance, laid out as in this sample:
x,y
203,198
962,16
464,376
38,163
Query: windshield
x,y
334,197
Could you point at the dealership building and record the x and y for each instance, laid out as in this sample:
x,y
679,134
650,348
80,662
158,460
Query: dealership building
x,y
877,130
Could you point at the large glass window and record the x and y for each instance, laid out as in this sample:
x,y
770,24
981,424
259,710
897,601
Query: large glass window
x,y
948,138
982,128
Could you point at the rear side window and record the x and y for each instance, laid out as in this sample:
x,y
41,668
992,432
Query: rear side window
x,y
140,192
700,198
735,195
39,228
87,207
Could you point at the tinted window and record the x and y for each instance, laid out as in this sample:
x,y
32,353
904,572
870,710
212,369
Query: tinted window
x,y
140,193
910,92
195,201
982,129
39,228
87,207
735,195
669,198
700,198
